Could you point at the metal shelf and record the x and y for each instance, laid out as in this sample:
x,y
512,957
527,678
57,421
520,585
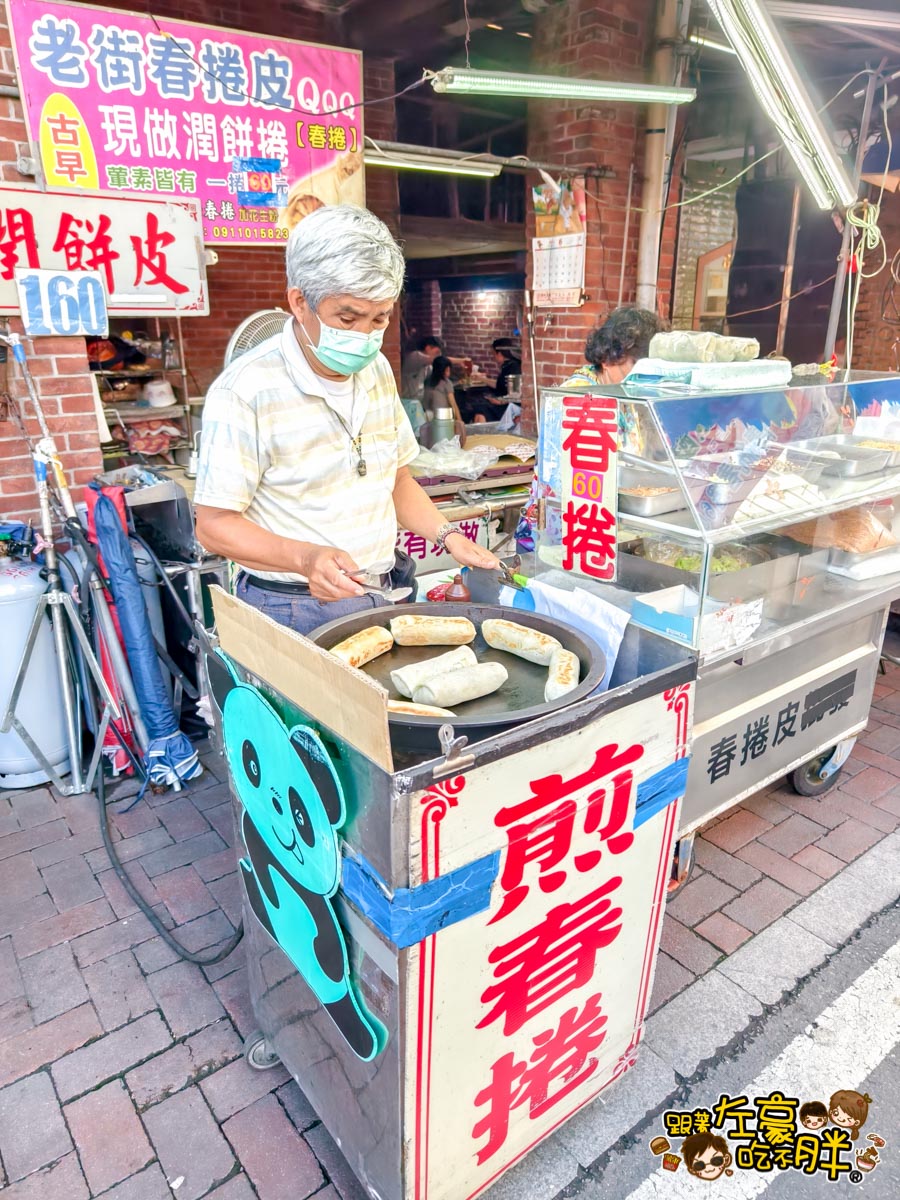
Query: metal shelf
x,y
131,373
128,413
124,452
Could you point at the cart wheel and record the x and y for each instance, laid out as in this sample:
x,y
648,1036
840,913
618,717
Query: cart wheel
x,y
682,865
807,780
258,1054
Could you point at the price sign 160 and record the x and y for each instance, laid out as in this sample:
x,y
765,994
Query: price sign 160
x,y
587,484
62,303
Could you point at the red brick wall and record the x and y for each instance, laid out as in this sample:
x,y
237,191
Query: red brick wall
x,y
422,310
608,39
874,338
59,365
471,321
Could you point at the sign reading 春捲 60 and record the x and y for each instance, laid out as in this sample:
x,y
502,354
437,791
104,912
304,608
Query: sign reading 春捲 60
x,y
148,252
260,130
590,429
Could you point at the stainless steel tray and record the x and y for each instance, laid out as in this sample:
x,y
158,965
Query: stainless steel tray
x,y
668,501
852,558
855,459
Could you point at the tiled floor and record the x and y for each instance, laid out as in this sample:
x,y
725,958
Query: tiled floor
x,y
757,861
120,1065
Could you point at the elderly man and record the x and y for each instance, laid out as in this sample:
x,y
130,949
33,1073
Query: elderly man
x,y
304,461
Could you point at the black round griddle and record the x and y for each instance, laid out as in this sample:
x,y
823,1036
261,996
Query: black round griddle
x,y
520,699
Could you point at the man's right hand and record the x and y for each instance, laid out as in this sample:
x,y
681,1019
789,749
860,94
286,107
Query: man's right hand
x,y
328,572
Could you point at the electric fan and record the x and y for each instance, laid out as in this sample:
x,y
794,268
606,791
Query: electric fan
x,y
258,328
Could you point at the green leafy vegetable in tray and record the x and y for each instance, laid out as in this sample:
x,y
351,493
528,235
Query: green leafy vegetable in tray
x,y
721,563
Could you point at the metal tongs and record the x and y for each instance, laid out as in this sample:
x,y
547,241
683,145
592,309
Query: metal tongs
x,y
509,573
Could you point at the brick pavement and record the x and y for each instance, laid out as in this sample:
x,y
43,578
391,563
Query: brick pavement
x,y
121,1073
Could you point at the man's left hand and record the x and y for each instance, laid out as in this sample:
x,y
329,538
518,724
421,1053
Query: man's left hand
x,y
469,554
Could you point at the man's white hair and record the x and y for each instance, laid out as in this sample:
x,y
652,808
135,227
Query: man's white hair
x,y
342,249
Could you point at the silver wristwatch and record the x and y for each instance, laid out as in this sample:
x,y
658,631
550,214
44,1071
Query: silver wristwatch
x,y
443,533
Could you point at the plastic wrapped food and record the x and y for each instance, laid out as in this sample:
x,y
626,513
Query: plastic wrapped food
x,y
689,346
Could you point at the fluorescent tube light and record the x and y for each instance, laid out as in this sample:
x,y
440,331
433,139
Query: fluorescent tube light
x,y
778,86
440,164
701,39
535,87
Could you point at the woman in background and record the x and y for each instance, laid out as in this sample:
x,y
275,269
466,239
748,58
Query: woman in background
x,y
614,347
611,351
439,393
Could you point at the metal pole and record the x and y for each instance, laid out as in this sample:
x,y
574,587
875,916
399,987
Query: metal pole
x,y
625,235
843,264
788,281
529,317
658,118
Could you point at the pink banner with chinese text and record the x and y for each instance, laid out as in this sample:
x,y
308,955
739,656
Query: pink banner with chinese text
x,y
260,130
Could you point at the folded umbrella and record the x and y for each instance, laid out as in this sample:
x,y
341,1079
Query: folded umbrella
x,y
170,756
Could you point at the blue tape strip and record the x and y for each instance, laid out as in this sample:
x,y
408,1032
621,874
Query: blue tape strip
x,y
412,914
660,790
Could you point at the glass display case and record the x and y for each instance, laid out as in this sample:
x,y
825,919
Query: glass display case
x,y
745,512
762,528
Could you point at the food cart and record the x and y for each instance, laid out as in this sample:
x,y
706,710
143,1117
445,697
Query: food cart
x,y
451,927
758,527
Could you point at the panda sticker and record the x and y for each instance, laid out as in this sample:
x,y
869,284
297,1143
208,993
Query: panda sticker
x,y
293,807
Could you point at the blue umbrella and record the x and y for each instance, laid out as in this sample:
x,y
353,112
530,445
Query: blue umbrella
x,y
171,758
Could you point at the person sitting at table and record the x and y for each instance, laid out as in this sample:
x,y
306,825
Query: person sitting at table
x,y
509,360
493,404
418,363
614,347
439,394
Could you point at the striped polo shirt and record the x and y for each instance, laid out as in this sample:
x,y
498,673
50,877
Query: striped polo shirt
x,y
274,449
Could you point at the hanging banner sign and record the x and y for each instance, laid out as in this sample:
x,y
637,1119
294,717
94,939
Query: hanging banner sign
x,y
62,303
148,253
590,436
126,102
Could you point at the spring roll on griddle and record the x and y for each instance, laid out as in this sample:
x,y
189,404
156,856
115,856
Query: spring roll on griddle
x,y
457,687
407,679
362,647
526,643
562,677
405,708
417,630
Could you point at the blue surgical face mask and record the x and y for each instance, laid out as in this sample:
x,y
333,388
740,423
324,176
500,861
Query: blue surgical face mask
x,y
344,350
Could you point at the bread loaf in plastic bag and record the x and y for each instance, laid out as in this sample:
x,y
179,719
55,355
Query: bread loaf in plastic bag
x,y
685,345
